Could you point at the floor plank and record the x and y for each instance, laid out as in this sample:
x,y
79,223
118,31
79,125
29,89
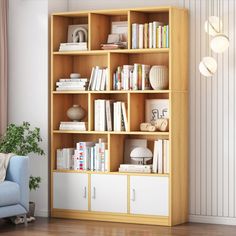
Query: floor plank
x,y
58,227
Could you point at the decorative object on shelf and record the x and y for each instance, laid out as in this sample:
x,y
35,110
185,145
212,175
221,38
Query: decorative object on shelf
x,y
74,75
135,168
76,113
162,125
219,43
158,77
141,154
156,109
147,127
208,66
73,125
117,39
80,35
77,38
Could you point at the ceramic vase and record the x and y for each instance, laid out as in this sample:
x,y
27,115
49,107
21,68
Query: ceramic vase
x,y
158,77
76,113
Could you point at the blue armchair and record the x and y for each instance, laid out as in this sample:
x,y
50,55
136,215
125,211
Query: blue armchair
x,y
14,191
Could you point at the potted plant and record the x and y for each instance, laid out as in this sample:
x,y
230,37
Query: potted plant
x,y
21,140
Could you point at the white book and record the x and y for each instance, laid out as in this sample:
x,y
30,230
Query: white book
x,y
60,164
96,115
102,111
91,78
124,115
135,77
115,116
97,157
73,80
155,157
108,115
70,88
160,156
145,77
67,154
119,117
135,34
166,157
72,83
99,80
95,77
92,159
126,70
150,35
103,81
140,36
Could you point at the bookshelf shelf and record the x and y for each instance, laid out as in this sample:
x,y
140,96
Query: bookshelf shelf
x,y
111,173
171,188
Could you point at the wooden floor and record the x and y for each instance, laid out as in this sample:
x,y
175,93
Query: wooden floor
x,y
58,227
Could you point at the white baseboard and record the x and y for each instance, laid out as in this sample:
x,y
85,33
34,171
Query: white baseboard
x,y
41,213
212,220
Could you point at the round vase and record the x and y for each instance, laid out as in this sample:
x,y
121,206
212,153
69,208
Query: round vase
x,y
158,77
76,113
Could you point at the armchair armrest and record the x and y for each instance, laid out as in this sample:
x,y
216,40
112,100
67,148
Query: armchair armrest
x,y
18,172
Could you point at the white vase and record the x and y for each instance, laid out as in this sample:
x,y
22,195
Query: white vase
x,y
76,113
158,77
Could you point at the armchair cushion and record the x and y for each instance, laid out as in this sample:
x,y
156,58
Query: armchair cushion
x,y
9,193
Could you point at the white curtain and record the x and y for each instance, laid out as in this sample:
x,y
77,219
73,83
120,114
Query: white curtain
x,y
3,66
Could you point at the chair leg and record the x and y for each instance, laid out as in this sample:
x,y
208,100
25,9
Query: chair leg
x,y
25,220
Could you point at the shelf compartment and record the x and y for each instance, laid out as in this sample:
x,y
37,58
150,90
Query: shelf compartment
x,y
120,59
60,27
107,96
100,26
117,147
64,65
69,140
62,102
111,92
137,108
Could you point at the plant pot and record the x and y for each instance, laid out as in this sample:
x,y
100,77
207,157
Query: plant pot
x,y
31,209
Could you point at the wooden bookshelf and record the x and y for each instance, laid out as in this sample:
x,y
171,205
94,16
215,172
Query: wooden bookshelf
x,y
73,192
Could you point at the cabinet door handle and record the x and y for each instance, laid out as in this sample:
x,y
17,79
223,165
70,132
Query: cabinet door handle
x,y
94,193
133,195
85,192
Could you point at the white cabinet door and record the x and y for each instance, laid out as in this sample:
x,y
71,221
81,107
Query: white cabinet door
x,y
70,191
149,195
109,193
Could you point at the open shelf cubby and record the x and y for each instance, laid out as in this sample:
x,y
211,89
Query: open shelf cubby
x,y
86,194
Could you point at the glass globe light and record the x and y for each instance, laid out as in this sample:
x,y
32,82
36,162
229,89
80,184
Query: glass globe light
x,y
213,25
208,66
219,43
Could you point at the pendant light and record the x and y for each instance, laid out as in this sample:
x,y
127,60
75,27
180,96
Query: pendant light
x,y
208,65
220,41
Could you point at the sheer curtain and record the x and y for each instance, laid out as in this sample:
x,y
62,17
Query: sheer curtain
x,y
3,66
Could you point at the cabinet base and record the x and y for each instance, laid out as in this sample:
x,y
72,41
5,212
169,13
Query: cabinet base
x,y
112,217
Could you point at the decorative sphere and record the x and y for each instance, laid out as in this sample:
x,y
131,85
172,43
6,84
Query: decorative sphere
x,y
76,113
220,43
213,25
208,66
158,77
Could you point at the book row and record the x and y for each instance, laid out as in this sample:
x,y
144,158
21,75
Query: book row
x,y
150,35
98,79
87,156
132,77
110,115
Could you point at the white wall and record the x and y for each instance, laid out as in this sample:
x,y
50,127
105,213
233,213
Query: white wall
x,y
28,78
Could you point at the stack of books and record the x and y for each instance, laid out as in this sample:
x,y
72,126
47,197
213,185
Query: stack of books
x,y
135,168
150,35
132,77
110,115
72,84
73,125
98,79
91,156
112,46
64,47
64,158
161,157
